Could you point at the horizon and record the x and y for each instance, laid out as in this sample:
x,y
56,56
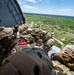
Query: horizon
x,y
53,7
47,14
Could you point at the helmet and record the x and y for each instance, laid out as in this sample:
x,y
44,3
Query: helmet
x,y
29,61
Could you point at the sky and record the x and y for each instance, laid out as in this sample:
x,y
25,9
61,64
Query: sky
x,y
53,7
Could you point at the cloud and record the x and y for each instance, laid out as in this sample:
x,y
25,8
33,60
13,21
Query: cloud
x,y
65,10
21,2
50,10
29,7
33,1
25,7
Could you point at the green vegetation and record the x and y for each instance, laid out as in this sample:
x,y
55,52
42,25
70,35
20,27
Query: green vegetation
x,y
57,44
68,41
62,26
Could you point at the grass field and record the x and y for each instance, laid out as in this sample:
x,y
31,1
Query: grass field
x,y
62,26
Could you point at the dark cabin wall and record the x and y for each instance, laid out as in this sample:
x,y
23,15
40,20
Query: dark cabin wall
x,y
10,13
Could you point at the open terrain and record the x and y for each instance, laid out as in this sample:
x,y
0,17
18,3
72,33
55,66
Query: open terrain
x,y
62,27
